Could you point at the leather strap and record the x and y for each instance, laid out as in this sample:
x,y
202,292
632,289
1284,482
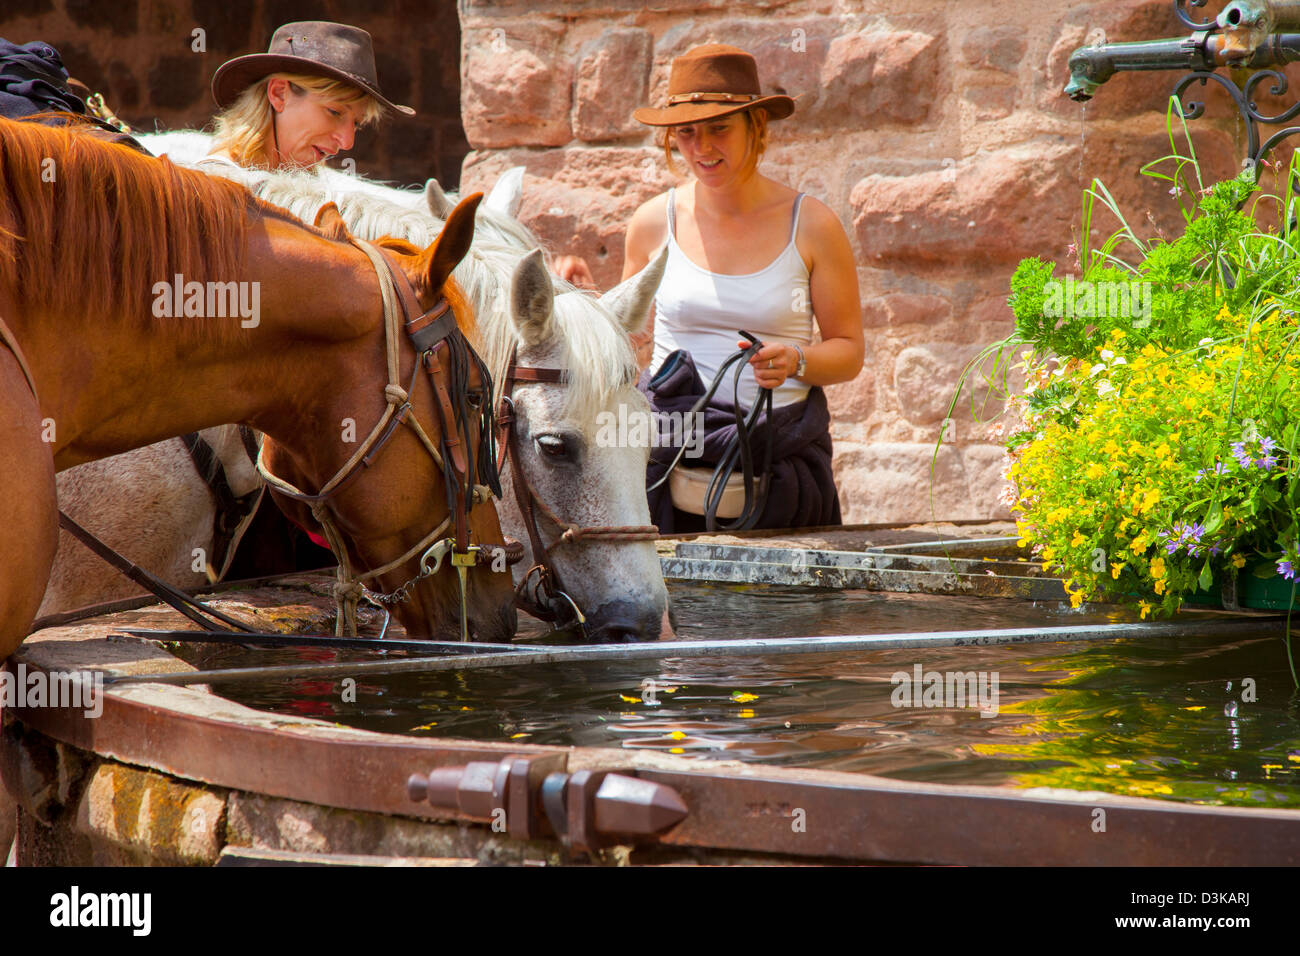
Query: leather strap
x,y
7,337
527,373
231,509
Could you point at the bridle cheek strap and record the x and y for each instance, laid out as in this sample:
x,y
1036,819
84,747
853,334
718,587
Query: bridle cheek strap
x,y
535,597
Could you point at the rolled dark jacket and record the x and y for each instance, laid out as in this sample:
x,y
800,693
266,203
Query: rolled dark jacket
x,y
33,80
801,493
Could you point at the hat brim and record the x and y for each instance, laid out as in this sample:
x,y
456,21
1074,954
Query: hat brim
x,y
778,106
235,76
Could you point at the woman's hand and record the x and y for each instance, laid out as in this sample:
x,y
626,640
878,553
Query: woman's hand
x,y
772,364
574,270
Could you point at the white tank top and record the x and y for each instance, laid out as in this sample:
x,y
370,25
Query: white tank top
x,y
700,311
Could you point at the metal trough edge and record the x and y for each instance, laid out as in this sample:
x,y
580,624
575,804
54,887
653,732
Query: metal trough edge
x,y
804,813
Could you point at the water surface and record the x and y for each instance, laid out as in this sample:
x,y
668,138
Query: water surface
x,y
1170,718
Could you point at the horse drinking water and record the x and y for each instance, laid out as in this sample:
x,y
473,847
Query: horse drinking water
x,y
573,474
93,238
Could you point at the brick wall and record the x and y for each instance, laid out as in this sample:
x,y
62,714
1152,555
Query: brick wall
x,y
936,130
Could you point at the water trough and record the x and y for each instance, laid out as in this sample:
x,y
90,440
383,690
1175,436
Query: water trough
x,y
178,774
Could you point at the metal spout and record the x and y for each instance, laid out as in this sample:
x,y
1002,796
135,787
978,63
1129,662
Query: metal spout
x,y
1246,24
1091,66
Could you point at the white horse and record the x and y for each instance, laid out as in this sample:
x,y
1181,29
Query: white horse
x,y
583,480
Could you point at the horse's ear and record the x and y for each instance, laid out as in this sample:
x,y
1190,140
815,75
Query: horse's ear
x,y
532,298
330,221
452,243
436,199
631,299
508,192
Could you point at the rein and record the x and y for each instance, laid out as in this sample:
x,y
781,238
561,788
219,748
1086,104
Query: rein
x,y
451,363
540,593
180,601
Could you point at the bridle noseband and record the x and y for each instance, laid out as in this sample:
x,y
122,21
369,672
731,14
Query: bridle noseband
x,y
541,593
452,366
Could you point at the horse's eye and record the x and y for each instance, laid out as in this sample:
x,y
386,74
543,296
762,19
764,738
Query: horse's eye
x,y
475,398
553,447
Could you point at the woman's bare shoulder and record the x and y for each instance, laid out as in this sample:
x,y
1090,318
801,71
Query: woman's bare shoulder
x,y
652,210
648,228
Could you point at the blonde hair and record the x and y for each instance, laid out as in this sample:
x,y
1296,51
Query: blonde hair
x,y
243,129
755,132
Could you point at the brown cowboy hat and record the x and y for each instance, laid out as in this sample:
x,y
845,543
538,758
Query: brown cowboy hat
x,y
711,81
313,47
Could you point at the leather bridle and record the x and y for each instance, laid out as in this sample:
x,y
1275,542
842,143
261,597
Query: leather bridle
x,y
453,369
541,593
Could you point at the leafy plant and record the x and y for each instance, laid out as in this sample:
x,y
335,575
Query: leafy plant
x,y
1155,437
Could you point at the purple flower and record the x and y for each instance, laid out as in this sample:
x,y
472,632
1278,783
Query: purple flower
x,y
1239,452
1287,571
1267,444
1266,463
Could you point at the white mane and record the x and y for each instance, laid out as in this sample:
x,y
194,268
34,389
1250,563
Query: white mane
x,y
595,347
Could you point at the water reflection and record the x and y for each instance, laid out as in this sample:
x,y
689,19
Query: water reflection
x,y
1168,718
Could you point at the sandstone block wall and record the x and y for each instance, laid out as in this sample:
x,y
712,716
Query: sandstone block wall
x,y
936,130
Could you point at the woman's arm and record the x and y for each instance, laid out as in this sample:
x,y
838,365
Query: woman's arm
x,y
645,234
833,289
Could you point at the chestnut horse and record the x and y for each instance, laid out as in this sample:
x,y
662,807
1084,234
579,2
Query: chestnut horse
x,y
108,265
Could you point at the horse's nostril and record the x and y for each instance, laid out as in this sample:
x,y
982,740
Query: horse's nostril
x,y
616,632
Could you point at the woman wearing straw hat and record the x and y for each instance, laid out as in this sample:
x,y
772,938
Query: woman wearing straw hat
x,y
746,252
300,102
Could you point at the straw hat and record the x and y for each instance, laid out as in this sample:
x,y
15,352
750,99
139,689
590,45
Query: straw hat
x,y
313,47
711,81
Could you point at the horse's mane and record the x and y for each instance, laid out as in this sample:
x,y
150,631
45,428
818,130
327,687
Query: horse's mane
x,y
89,224
595,346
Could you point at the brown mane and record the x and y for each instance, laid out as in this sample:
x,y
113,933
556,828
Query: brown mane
x,y
112,223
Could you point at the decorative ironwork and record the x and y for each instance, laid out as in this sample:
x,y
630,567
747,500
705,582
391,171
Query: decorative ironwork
x,y
1181,12
1245,34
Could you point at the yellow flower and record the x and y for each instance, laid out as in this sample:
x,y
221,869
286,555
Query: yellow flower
x,y
1158,568
1078,539
1146,608
1116,569
1095,470
1238,561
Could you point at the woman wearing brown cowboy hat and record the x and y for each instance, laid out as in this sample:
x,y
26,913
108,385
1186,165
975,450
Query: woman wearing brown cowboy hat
x,y
301,102
745,252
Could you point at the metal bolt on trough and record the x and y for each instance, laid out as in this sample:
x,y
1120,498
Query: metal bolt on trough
x,y
587,810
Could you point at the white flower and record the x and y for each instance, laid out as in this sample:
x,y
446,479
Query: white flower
x,y
1206,341
1105,388
1096,370
1107,355
1119,361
